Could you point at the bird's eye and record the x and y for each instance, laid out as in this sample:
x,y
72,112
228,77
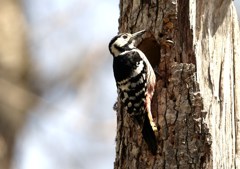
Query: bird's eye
x,y
125,36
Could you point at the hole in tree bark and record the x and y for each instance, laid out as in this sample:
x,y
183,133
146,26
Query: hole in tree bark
x,y
151,49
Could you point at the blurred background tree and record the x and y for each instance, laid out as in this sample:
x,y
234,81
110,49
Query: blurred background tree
x,y
15,99
56,84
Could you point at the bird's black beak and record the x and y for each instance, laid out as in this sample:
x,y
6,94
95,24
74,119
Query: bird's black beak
x,y
137,34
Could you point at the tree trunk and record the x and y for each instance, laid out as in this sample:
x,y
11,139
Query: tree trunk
x,y
194,45
14,98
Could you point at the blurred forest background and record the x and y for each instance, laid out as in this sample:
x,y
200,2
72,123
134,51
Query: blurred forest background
x,y
56,84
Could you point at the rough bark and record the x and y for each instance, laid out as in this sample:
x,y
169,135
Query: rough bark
x,y
193,45
14,102
216,37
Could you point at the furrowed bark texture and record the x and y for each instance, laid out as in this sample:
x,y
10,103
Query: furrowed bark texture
x,y
195,104
216,39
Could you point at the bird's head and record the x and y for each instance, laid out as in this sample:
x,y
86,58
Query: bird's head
x,y
123,42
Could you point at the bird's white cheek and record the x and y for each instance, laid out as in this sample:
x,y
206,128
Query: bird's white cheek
x,y
121,42
131,46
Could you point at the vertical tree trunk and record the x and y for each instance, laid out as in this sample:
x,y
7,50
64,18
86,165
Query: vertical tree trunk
x,y
216,39
193,45
14,102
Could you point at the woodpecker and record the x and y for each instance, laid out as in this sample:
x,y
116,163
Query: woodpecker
x,y
135,81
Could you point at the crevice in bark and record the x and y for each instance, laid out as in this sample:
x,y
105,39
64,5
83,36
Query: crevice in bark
x,y
185,36
157,3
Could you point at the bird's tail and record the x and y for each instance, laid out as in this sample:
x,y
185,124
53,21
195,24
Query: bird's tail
x,y
148,135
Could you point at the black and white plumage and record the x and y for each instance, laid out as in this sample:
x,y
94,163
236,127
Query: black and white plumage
x,y
135,80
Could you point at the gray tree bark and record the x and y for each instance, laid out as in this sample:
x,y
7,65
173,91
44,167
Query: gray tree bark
x,y
195,47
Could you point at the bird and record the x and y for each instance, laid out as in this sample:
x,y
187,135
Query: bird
x,y
135,81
